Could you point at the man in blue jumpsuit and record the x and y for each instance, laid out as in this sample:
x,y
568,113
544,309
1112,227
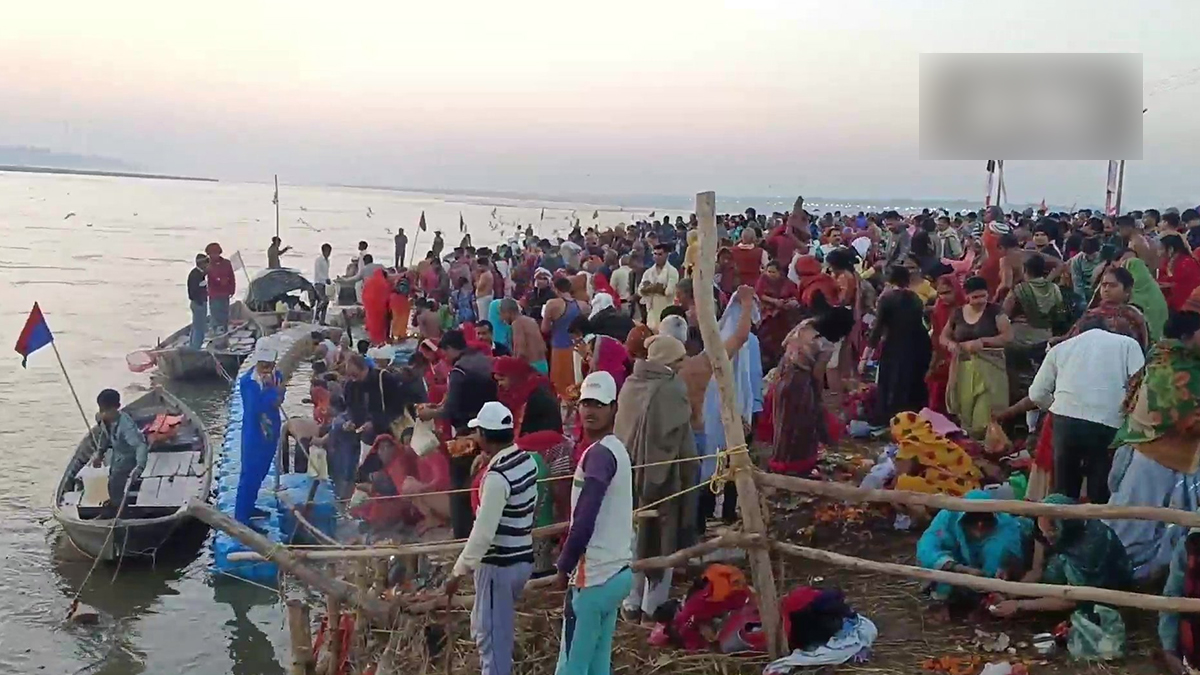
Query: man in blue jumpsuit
x,y
262,395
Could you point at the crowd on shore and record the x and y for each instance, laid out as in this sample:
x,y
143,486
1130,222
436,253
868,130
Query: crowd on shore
x,y
581,359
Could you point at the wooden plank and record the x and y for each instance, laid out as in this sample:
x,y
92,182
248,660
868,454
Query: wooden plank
x,y
176,491
751,510
148,492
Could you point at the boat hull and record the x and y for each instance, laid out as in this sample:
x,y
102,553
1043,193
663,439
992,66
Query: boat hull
x,y
126,540
195,364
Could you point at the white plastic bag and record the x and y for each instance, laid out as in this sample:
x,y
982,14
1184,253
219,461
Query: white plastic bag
x,y
424,439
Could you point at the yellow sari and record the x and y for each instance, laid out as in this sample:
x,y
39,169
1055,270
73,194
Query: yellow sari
x,y
942,467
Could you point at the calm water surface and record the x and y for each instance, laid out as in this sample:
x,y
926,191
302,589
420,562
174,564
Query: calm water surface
x,y
110,279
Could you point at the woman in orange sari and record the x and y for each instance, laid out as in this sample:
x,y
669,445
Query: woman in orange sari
x,y
375,307
950,296
400,305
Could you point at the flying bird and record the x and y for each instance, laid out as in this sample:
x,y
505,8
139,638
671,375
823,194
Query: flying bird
x,y
68,215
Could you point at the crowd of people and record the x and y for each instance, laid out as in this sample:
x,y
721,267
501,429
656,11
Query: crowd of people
x,y
581,359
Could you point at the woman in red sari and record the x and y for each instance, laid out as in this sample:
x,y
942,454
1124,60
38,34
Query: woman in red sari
x,y
780,311
814,282
1178,272
748,258
950,296
375,294
393,473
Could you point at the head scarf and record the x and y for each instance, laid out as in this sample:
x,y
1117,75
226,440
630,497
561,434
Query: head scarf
x,y
943,309
664,350
675,326
600,302
813,281
523,380
1147,296
213,250
862,245
635,343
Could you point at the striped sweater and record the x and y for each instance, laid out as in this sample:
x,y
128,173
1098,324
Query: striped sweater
x,y
513,542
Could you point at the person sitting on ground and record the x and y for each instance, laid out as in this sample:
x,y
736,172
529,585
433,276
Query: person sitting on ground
x,y
979,544
1071,552
394,475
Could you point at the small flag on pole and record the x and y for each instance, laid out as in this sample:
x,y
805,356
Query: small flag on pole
x,y
595,214
421,225
543,216
1042,207
236,262
652,214
462,224
275,199
34,336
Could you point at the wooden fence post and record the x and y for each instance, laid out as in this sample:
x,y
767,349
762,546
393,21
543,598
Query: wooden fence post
x,y
752,517
300,631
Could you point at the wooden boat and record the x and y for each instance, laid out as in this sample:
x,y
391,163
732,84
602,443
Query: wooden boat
x,y
176,360
179,470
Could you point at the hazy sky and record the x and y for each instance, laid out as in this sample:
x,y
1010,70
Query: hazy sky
x,y
670,97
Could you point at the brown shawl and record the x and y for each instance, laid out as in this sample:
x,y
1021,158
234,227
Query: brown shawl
x,y
654,423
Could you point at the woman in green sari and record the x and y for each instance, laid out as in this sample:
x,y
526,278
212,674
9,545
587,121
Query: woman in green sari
x,y
975,337
1146,294
1071,552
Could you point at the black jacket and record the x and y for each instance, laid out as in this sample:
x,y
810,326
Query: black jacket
x,y
197,286
612,323
381,398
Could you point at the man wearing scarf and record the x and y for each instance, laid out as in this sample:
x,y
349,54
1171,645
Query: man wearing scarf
x,y
654,423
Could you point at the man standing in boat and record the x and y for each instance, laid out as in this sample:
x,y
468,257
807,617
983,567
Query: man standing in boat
x,y
197,286
222,284
401,247
274,251
262,395
120,434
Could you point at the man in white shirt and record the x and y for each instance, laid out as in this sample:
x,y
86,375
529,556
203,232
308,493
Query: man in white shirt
x,y
321,281
658,285
499,550
622,283
598,550
1082,381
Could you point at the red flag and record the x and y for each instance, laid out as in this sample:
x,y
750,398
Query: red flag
x,y
421,226
1042,206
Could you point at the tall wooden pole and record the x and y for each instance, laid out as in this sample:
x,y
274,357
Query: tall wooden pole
x,y
752,516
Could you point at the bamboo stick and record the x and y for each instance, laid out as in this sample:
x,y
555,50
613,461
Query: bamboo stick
x,y
333,629
1075,593
852,493
300,631
752,519
406,550
292,564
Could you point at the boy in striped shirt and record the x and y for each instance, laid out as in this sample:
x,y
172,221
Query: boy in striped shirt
x,y
499,550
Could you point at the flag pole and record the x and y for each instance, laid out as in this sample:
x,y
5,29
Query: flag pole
x,y
413,253
276,205
74,395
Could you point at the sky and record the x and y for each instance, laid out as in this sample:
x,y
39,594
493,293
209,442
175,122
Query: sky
x,y
754,97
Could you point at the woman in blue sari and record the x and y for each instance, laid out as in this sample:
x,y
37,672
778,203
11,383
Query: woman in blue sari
x,y
979,544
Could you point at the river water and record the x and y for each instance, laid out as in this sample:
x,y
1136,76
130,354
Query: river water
x,y
111,279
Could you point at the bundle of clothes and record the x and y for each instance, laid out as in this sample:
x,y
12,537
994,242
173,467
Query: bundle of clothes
x,y
721,613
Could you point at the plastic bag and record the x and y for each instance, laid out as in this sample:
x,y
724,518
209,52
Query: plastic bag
x,y
1097,634
424,439
995,441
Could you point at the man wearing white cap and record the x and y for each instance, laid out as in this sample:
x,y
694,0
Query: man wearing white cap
x,y
598,550
499,550
261,390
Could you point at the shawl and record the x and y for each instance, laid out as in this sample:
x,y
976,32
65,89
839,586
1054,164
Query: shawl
x,y
1042,302
654,422
1164,397
1086,553
1120,318
635,343
501,331
1148,297
600,302
812,282
1183,272
945,541
778,288
747,383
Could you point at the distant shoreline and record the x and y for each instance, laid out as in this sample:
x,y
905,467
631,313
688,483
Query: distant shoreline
x,y
95,172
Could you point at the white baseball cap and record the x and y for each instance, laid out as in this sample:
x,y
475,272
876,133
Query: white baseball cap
x,y
493,416
598,386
